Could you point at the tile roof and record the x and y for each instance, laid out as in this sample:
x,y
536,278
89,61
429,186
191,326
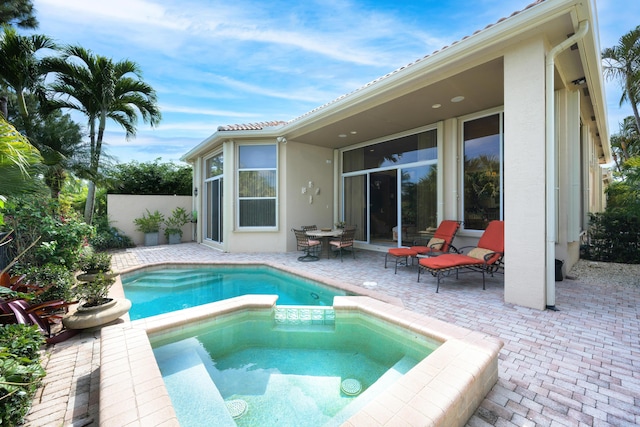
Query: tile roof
x,y
252,126
262,125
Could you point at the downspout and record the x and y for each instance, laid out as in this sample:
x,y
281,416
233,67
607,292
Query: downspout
x,y
550,184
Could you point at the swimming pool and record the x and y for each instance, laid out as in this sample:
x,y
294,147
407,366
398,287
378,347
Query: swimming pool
x,y
443,389
168,288
295,366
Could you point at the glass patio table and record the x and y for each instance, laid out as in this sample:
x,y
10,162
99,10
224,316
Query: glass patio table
x,y
325,235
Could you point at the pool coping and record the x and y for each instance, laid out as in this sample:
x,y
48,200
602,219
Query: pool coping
x,y
442,390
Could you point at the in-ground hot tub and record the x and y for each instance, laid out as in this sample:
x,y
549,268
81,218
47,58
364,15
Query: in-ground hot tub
x,y
444,388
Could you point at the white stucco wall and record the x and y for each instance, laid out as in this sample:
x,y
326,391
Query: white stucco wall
x,y
122,209
524,171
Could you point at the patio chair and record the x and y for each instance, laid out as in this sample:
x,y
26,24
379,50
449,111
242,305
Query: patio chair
x,y
309,227
345,241
485,258
43,315
439,243
309,246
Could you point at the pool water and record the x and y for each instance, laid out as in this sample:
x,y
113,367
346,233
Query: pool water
x,y
159,291
288,374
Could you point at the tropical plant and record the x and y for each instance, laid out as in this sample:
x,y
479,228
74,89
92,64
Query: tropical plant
x,y
179,217
20,371
101,89
149,222
95,262
61,232
622,62
19,13
19,66
94,293
54,280
17,158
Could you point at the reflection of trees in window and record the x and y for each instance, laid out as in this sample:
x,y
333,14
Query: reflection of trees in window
x,y
257,184
419,197
481,191
215,166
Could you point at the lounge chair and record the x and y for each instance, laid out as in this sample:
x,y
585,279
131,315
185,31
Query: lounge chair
x,y
42,315
304,243
485,258
440,242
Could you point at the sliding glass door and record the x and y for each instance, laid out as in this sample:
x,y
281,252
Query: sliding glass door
x,y
390,189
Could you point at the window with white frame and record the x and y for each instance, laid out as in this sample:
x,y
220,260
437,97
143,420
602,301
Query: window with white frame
x,y
482,170
257,185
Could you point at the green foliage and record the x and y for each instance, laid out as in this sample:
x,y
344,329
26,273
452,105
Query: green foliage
x,y
22,340
614,236
20,371
61,232
150,178
149,222
56,280
174,223
94,292
94,262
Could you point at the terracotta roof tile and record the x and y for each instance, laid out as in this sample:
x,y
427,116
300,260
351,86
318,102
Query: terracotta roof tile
x,y
252,126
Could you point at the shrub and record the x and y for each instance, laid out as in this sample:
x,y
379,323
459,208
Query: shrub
x,y
62,233
20,371
108,237
614,236
56,280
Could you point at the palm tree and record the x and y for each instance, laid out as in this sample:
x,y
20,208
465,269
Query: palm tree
x,y
622,62
101,89
19,13
19,67
17,156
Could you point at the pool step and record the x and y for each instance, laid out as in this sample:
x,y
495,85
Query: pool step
x,y
383,383
194,395
173,279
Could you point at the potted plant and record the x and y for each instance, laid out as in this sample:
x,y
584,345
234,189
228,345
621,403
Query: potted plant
x,y
173,231
95,262
96,308
149,224
94,293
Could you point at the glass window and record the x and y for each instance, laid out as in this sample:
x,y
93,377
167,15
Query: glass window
x,y
482,170
400,151
257,185
214,166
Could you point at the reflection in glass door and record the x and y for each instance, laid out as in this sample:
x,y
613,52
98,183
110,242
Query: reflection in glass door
x,y
213,225
383,207
214,168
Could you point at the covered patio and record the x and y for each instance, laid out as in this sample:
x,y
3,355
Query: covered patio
x,y
576,366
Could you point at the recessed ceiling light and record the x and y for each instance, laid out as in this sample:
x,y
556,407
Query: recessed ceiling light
x,y
436,106
353,132
457,98
343,135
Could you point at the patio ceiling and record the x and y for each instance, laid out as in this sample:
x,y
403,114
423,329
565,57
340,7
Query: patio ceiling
x,y
481,86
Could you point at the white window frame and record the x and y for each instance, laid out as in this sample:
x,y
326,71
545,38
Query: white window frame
x,y
237,197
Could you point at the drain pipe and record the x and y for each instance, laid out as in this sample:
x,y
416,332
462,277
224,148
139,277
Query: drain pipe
x,y
550,184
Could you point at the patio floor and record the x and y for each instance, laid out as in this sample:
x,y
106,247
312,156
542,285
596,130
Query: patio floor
x,y
579,366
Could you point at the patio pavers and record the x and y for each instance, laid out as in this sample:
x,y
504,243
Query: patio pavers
x,y
574,367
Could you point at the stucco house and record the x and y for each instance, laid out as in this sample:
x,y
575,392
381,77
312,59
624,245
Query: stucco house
x,y
508,123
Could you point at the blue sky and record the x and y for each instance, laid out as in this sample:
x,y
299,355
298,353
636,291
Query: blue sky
x,y
217,62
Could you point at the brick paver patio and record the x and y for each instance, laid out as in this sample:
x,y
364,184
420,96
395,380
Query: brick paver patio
x,y
579,366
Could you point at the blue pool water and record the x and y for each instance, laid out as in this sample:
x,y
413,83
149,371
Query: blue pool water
x,y
288,375
159,291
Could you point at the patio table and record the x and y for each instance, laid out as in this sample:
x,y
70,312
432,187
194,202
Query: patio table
x,y
325,236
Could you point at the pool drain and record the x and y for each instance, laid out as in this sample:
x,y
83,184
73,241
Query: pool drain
x,y
351,387
237,408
